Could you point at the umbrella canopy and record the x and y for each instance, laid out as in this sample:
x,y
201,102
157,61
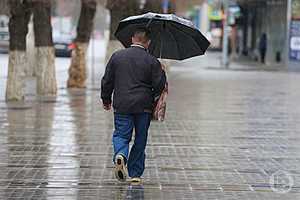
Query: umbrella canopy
x,y
172,37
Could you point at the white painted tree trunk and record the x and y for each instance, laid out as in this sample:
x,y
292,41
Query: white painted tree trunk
x,y
77,70
112,46
16,75
30,50
45,71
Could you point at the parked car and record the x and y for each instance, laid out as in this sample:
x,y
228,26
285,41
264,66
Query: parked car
x,y
4,34
63,44
63,35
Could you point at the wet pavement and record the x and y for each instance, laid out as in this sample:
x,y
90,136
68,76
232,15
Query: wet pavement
x,y
229,134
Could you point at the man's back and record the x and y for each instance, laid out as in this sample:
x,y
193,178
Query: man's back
x,y
135,77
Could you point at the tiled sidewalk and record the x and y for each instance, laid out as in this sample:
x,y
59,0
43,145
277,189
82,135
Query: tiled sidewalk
x,y
228,135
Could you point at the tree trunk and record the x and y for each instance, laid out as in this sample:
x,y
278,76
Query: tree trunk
x,y
19,17
119,9
30,51
77,70
153,6
4,7
46,78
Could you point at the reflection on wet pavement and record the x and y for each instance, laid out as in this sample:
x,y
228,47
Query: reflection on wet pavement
x,y
226,133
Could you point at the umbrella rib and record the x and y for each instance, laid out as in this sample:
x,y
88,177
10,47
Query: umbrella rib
x,y
189,35
175,42
158,35
173,25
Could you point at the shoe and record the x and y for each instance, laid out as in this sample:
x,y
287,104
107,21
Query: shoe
x,y
136,181
120,169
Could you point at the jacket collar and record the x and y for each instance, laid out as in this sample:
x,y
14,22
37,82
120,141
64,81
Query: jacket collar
x,y
139,46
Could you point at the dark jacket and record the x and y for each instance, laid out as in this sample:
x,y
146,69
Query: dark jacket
x,y
134,77
263,42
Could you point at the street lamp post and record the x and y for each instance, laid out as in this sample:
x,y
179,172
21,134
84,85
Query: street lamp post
x,y
225,60
287,42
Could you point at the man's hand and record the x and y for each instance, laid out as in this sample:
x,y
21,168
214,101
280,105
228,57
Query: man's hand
x,y
107,106
164,67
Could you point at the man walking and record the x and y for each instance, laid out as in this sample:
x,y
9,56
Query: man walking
x,y
135,78
263,47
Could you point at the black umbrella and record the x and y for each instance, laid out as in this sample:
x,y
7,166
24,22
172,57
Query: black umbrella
x,y
172,37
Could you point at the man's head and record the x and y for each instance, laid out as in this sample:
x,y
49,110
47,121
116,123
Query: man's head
x,y
141,36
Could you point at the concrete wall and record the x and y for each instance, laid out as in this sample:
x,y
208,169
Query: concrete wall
x,y
276,18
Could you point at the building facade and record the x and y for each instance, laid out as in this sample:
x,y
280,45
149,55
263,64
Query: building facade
x,y
274,18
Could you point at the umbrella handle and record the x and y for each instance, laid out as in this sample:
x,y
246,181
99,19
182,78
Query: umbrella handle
x,y
161,40
151,19
148,24
161,47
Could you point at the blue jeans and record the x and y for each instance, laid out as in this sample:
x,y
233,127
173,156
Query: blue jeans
x,y
124,125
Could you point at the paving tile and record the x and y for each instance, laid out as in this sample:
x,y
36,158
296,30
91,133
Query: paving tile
x,y
227,134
